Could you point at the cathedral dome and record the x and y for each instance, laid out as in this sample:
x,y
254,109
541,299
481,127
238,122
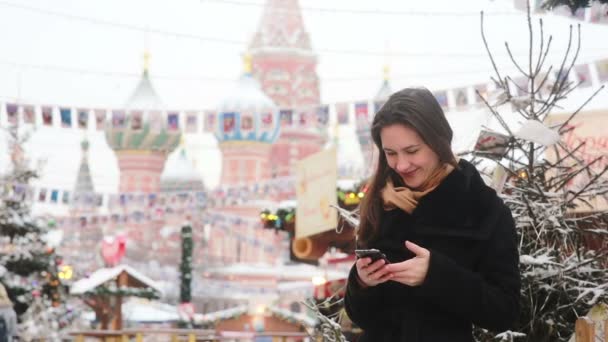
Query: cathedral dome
x,y
142,125
180,174
247,114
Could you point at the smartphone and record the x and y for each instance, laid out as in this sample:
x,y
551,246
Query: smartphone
x,y
371,253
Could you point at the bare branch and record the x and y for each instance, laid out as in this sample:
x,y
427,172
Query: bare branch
x,y
514,61
485,42
579,109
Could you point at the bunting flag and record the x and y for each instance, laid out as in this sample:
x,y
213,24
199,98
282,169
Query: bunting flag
x,y
29,115
155,121
47,116
172,121
246,122
66,117
191,122
323,115
12,113
83,118
54,196
210,116
286,116
342,113
482,89
583,75
42,195
100,119
362,113
460,97
65,198
303,117
267,119
228,122
442,98
118,119
136,117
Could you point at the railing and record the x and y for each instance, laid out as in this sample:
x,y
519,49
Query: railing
x,y
181,335
586,331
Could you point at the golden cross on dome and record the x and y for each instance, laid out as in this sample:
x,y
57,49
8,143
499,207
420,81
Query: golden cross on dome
x,y
247,63
146,61
386,72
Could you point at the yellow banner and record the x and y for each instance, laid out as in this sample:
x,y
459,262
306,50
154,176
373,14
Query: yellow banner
x,y
316,179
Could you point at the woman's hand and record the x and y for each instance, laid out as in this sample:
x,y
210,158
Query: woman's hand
x,y
372,274
411,272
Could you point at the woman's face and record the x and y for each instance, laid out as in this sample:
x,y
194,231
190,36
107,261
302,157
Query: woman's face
x,y
408,154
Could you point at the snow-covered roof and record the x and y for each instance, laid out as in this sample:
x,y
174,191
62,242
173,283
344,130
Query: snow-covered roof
x,y
144,311
347,184
298,317
103,275
221,315
216,316
287,204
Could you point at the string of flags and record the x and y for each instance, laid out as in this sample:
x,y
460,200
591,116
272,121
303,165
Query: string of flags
x,y
228,223
207,121
224,195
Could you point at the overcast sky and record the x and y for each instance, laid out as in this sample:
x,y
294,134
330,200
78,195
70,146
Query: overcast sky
x,y
89,53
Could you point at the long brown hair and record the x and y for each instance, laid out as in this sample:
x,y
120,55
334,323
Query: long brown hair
x,y
416,108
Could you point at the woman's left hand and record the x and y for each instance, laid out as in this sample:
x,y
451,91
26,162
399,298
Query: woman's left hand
x,y
411,272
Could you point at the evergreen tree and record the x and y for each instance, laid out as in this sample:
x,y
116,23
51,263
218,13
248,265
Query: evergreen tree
x,y
552,192
572,4
28,263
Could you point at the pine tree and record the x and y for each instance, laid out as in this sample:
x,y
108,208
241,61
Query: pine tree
x,y
572,4
551,192
28,263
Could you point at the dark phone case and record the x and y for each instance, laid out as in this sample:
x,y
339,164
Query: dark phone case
x,y
371,253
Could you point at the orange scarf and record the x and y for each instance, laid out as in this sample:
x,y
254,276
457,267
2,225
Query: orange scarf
x,y
407,199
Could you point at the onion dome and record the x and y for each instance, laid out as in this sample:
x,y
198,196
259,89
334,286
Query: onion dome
x,y
142,125
180,174
247,114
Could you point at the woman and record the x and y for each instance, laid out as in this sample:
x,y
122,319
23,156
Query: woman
x,y
449,238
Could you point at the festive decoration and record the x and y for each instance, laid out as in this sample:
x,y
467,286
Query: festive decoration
x,y
561,222
105,289
28,263
113,249
491,144
284,218
185,268
27,250
112,291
